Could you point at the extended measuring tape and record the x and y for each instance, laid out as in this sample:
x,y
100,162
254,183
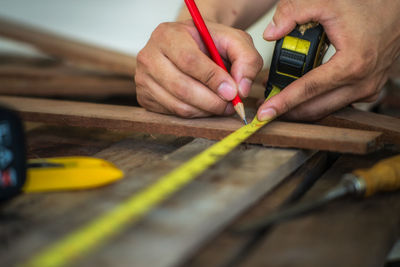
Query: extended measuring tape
x,y
133,209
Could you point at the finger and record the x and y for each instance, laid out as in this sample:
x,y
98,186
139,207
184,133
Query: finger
x,y
193,62
288,14
323,105
246,62
188,90
148,102
237,48
320,80
169,102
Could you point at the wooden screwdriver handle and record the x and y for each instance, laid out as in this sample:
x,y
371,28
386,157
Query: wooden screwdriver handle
x,y
383,176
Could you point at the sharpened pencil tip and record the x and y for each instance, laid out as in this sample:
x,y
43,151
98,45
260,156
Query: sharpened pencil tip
x,y
240,111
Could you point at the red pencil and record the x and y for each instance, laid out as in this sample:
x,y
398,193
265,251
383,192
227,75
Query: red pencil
x,y
208,41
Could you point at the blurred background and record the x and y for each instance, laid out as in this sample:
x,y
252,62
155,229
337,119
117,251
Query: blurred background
x,y
122,25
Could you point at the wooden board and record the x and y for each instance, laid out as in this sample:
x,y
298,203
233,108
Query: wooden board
x,y
70,50
67,86
230,248
33,220
347,233
176,229
23,76
281,134
357,119
249,177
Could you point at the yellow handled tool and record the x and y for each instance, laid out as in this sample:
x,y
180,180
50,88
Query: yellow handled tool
x,y
382,177
40,175
69,173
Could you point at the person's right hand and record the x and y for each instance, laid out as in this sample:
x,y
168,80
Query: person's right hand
x,y
174,74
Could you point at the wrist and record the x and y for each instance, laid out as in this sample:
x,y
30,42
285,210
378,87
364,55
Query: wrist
x,y
209,12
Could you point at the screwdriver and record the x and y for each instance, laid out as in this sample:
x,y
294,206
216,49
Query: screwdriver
x,y
382,177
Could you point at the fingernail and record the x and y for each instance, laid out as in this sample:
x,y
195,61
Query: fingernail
x,y
245,87
226,91
267,114
269,32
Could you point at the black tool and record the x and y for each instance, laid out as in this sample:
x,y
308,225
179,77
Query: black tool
x,y
296,54
12,154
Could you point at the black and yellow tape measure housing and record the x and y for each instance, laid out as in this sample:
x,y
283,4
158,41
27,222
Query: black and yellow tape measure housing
x,y
296,54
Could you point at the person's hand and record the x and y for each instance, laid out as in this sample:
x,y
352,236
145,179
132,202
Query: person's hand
x,y
174,74
366,35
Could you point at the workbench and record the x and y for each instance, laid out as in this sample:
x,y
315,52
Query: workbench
x,y
196,226
346,233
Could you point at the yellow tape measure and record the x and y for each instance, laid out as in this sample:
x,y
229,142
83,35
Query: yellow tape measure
x,y
130,211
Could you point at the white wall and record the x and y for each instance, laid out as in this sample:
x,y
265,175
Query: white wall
x,y
123,25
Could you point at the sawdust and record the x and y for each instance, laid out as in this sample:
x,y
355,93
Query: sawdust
x,y
304,27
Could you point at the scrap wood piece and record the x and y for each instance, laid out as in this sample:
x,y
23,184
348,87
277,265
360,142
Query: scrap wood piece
x,y
280,134
49,78
71,86
70,50
357,119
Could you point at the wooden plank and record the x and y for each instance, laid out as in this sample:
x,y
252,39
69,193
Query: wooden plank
x,y
67,86
51,141
230,248
250,175
70,50
24,77
174,230
281,134
357,119
349,232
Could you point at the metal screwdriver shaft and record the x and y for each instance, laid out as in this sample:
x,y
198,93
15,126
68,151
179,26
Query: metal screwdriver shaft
x,y
384,176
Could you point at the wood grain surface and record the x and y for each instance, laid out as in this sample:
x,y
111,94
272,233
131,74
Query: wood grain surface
x,y
31,221
69,50
176,229
280,134
347,233
230,248
357,119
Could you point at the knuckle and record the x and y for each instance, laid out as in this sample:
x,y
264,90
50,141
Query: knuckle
x,y
361,66
217,107
141,98
256,60
371,91
189,59
139,80
184,111
310,89
142,59
283,106
209,75
285,7
245,35
162,28
180,91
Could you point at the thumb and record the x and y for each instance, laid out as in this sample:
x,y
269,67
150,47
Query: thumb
x,y
288,14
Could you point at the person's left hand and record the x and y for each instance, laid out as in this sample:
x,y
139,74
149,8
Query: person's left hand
x,y
366,35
